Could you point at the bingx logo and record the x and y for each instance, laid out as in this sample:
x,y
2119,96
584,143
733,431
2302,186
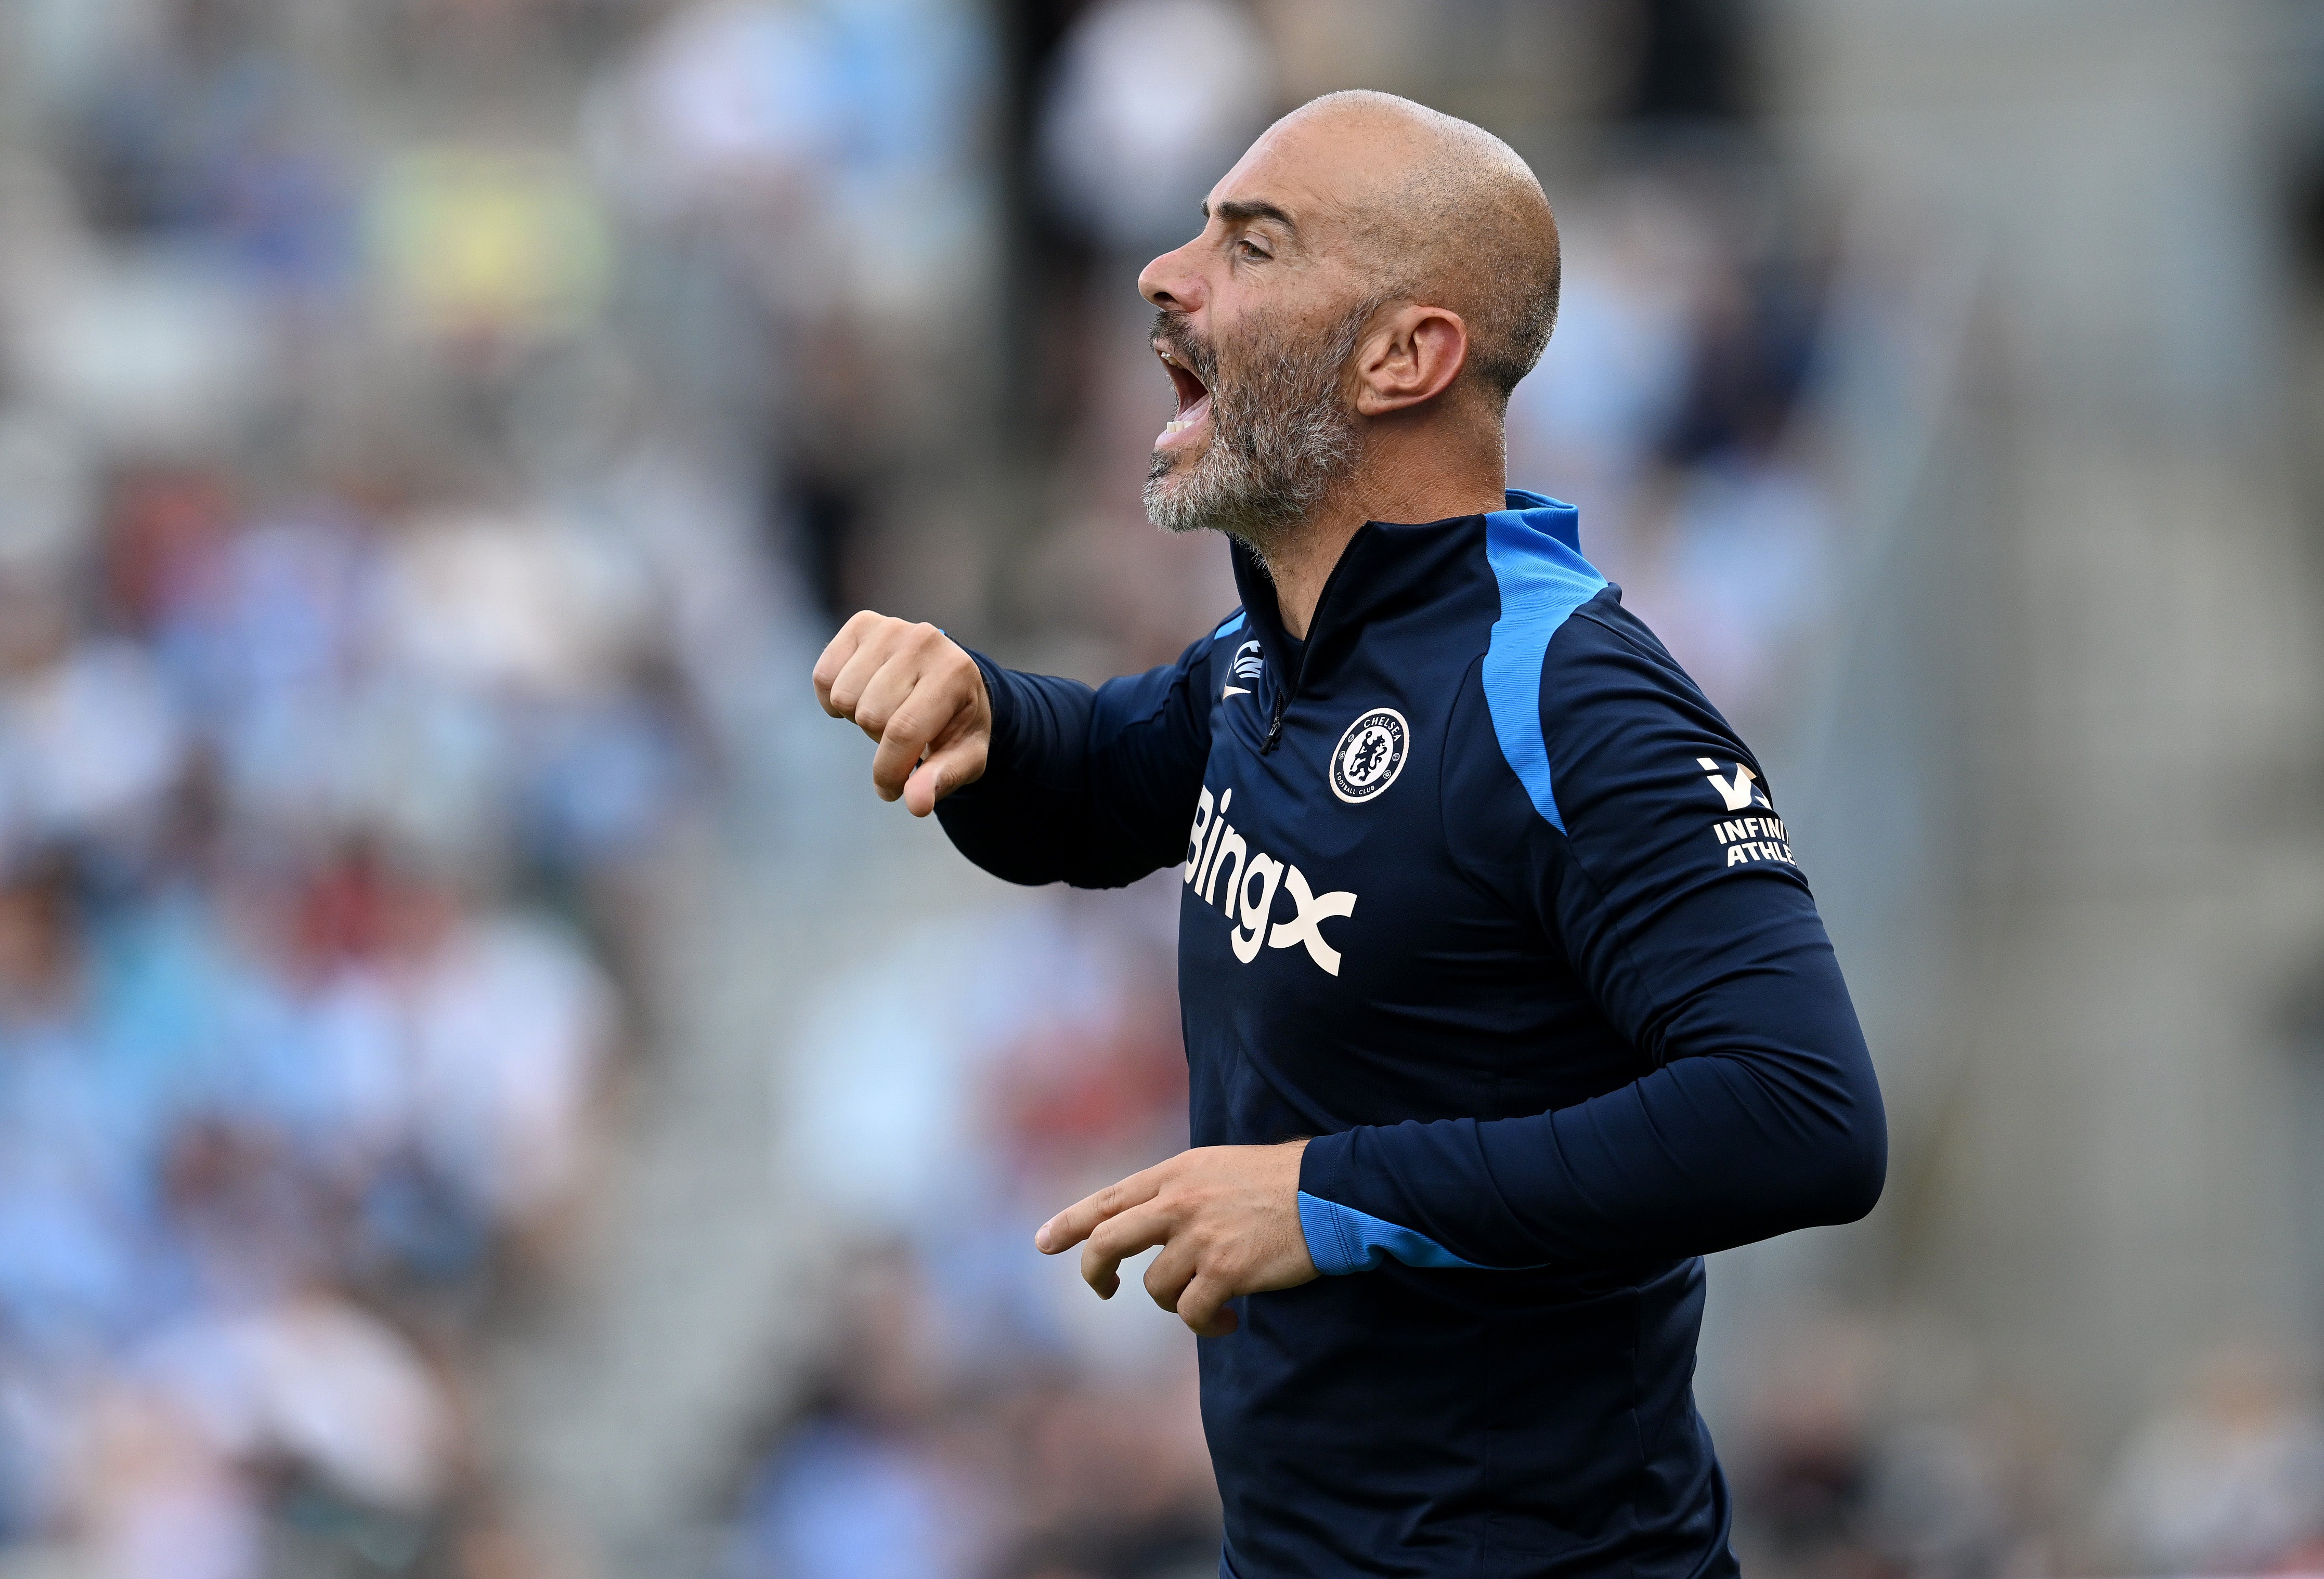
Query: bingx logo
x,y
1216,854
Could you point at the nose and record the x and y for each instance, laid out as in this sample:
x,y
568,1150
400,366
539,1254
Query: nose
x,y
1171,282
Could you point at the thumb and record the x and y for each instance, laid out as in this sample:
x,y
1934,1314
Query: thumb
x,y
942,771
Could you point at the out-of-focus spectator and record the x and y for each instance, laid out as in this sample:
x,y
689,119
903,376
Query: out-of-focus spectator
x,y
2229,1477
810,208
992,1068
92,740
1129,149
874,1475
81,1127
1870,1448
1667,406
992,1065
1590,421
314,1380
321,806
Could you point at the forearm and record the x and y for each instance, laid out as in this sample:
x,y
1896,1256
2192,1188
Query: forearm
x,y
1026,821
1770,1133
1095,788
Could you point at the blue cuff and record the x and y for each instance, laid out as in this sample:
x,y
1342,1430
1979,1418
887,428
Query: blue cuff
x,y
1343,1240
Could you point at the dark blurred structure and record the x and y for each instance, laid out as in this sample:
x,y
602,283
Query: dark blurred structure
x,y
484,1092
1695,62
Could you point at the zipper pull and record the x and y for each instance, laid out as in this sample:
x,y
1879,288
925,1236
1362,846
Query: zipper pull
x,y
1274,733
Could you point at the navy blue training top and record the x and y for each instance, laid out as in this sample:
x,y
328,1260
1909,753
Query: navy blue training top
x,y
1484,895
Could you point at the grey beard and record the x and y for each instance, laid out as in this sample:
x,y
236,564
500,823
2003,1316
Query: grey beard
x,y
1281,438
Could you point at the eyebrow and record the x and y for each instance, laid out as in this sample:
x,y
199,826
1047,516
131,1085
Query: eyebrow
x,y
1242,211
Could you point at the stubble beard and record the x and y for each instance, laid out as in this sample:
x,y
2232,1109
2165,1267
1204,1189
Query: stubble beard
x,y
1283,433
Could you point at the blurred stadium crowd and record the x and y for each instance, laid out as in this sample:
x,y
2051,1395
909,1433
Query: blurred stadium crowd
x,y
432,435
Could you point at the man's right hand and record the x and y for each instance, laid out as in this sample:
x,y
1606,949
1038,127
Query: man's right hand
x,y
913,689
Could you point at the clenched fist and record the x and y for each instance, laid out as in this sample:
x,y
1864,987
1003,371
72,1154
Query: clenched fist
x,y
913,689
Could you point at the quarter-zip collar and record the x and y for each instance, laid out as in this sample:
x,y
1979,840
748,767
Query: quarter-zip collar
x,y
1385,568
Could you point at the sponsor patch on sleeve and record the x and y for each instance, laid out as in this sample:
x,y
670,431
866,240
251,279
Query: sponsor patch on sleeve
x,y
1758,835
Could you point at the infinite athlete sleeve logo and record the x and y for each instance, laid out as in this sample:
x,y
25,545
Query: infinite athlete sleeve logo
x,y
1740,793
1746,839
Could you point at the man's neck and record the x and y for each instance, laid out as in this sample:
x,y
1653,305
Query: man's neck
x,y
1301,561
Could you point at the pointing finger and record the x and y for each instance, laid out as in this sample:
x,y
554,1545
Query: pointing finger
x,y
1075,1223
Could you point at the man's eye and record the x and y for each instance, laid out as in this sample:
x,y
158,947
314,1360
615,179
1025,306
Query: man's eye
x,y
1251,248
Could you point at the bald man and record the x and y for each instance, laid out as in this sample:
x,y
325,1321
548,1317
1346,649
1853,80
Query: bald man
x,y
1504,1000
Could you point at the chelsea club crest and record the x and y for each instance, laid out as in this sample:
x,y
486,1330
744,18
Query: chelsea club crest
x,y
1369,756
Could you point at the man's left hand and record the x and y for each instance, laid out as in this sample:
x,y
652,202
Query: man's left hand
x,y
1227,1218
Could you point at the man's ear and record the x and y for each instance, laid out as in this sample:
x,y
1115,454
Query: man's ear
x,y
1411,356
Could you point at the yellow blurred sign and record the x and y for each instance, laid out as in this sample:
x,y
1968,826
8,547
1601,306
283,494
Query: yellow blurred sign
x,y
492,241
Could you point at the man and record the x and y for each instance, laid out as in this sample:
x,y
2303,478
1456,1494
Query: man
x,y
1504,1001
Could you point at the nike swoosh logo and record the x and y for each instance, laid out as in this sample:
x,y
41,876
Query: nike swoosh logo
x,y
1234,691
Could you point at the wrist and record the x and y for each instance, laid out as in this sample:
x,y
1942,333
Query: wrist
x,y
1323,1164
998,710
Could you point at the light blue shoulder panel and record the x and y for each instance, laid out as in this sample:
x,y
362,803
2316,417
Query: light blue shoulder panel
x,y
1234,623
1534,547
1343,1240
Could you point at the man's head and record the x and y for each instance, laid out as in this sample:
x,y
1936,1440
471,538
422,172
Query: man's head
x,y
1369,264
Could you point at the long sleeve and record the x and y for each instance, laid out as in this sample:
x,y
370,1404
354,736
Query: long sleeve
x,y
1656,862
1094,787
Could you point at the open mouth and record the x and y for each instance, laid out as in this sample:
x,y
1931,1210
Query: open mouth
x,y
1194,399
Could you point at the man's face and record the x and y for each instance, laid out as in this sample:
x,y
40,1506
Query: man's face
x,y
1257,318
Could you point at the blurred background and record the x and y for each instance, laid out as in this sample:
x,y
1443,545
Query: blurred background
x,y
485,1092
